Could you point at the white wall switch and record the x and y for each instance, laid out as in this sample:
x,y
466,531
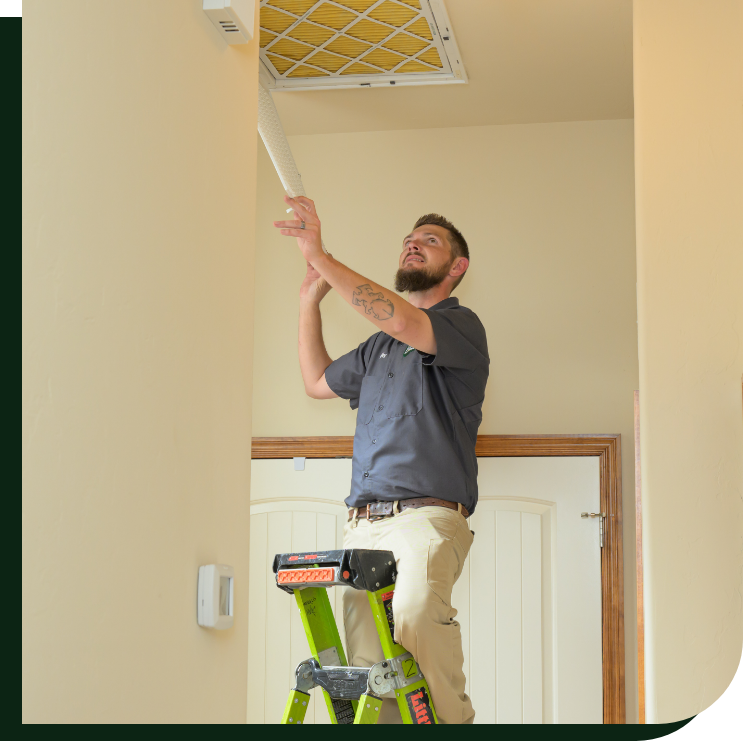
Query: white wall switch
x,y
215,591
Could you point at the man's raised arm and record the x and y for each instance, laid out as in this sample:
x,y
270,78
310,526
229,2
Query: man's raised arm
x,y
313,357
382,307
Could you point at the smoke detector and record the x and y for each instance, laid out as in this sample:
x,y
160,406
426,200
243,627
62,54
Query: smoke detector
x,y
234,19
319,44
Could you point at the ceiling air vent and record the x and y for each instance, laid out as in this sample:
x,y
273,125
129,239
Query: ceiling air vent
x,y
317,44
234,19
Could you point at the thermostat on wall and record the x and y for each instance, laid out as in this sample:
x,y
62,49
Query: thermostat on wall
x,y
215,596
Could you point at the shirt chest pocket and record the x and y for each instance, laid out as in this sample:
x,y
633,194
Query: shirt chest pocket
x,y
406,396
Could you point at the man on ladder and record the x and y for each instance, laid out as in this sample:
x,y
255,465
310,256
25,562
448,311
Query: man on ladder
x,y
419,385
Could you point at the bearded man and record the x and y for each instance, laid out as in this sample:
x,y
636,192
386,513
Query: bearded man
x,y
419,385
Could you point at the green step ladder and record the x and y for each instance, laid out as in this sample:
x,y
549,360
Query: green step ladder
x,y
352,694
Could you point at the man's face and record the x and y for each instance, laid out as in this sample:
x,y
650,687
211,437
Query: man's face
x,y
425,260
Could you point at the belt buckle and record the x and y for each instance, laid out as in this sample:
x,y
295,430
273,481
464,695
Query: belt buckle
x,y
374,517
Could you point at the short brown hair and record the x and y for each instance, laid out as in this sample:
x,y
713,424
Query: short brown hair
x,y
458,243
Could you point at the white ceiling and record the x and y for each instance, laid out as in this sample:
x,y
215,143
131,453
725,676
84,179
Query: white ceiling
x,y
528,61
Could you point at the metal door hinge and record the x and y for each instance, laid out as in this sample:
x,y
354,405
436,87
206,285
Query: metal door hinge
x,y
602,518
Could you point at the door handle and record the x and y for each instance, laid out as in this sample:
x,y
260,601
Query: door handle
x,y
601,516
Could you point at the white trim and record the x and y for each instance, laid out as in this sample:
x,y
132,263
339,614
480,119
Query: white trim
x,y
261,503
449,43
264,506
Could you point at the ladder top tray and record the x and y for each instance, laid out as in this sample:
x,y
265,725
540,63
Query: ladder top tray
x,y
357,568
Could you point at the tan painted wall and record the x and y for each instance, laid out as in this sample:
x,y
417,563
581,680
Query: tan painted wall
x,y
689,164
548,211
138,220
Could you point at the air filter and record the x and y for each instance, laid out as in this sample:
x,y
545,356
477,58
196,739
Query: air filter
x,y
316,44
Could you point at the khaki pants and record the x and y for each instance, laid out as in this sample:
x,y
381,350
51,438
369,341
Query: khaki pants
x,y
430,546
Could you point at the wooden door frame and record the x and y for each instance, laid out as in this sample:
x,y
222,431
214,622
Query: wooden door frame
x,y
639,570
607,448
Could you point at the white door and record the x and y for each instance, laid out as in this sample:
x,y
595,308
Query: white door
x,y
290,511
529,598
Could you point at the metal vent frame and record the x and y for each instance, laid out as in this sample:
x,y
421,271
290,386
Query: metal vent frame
x,y
434,11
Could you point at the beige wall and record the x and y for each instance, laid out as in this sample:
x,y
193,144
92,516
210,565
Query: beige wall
x,y
689,164
548,211
138,225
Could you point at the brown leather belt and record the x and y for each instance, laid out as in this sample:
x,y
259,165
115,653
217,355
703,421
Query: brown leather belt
x,y
378,510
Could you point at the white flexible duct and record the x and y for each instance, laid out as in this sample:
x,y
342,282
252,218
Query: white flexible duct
x,y
274,138
272,133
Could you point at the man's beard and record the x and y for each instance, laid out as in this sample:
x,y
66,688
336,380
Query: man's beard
x,y
420,279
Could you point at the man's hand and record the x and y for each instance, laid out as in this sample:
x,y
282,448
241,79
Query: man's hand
x,y
385,309
314,287
309,239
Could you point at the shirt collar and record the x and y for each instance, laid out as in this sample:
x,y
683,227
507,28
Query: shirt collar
x,y
447,303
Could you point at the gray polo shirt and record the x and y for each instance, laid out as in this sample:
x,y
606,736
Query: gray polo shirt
x,y
419,414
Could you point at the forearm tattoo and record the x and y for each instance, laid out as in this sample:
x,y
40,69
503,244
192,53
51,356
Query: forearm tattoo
x,y
374,304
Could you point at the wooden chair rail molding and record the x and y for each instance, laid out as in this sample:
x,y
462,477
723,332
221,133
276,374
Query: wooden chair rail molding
x,y
608,450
